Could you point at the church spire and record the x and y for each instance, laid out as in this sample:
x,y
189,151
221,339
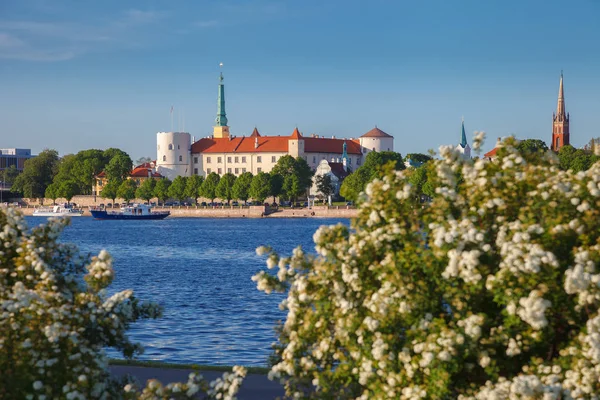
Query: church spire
x,y
221,119
560,127
463,138
560,106
221,130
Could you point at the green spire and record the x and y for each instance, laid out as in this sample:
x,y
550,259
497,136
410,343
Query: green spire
x,y
221,115
463,139
344,152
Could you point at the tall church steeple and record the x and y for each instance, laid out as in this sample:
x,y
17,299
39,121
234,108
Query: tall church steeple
x,y
560,128
221,130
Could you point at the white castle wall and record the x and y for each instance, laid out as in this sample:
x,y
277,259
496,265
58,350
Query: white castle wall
x,y
173,154
377,143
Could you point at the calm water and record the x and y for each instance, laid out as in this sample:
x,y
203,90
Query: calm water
x,y
199,270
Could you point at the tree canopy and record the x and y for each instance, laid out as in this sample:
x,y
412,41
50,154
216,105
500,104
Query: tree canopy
x,y
192,187
296,172
119,167
489,291
576,159
241,187
224,189
37,174
177,188
260,188
127,189
146,190
324,185
109,191
161,189
208,189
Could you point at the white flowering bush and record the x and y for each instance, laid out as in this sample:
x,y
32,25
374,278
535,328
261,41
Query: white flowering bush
x,y
56,319
491,291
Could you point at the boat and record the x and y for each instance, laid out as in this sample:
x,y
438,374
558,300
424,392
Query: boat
x,y
65,210
135,211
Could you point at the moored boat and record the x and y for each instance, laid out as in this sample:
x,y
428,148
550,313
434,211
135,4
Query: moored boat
x,y
65,210
135,211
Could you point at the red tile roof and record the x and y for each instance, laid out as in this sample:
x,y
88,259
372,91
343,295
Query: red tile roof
x,y
273,144
376,132
142,172
322,145
337,168
491,153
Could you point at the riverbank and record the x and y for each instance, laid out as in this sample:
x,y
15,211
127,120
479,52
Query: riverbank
x,y
245,212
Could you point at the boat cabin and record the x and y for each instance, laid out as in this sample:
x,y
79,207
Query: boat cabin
x,y
137,209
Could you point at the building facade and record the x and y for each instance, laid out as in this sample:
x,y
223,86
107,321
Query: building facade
x,y
560,121
224,153
14,157
139,174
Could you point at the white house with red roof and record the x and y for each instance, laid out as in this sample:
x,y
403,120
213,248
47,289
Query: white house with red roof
x,y
223,152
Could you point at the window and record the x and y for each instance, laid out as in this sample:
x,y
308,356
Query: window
x,y
243,170
557,142
170,147
220,171
259,169
237,160
208,160
258,159
195,171
358,161
178,147
229,160
100,182
195,160
314,159
208,170
180,158
228,170
243,159
237,171
273,159
219,160
137,181
349,160
164,158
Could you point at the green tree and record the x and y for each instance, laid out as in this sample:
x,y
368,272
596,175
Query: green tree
x,y
109,191
68,189
52,192
37,175
224,189
489,291
177,188
192,187
161,189
566,154
289,166
532,149
127,189
260,188
276,188
355,183
208,189
8,175
325,186
60,315
118,168
241,187
146,190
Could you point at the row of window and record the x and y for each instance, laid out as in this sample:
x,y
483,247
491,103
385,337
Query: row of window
x,y
165,158
235,159
219,171
170,147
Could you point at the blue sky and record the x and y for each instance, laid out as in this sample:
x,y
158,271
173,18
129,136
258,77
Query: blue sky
x,y
80,74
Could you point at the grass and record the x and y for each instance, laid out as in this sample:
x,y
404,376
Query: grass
x,y
160,364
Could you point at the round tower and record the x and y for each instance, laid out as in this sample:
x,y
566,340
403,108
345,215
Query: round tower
x,y
173,154
376,140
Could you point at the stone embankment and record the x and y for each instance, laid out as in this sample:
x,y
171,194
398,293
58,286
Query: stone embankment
x,y
244,212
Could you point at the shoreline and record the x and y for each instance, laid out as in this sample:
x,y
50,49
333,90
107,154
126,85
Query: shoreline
x,y
245,212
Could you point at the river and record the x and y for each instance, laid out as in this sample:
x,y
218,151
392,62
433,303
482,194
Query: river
x,y
199,270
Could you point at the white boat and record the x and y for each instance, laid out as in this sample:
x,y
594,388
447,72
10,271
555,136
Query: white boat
x,y
58,211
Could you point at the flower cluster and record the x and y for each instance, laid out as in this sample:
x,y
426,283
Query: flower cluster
x,y
489,291
56,320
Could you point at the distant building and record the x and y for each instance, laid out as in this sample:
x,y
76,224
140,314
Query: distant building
x,y
336,170
560,121
139,174
222,152
463,147
16,157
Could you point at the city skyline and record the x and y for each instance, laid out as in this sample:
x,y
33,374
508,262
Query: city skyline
x,y
99,76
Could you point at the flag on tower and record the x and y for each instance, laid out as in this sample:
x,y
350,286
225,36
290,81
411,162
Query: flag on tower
x,y
171,110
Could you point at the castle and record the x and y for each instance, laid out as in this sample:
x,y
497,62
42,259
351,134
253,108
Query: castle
x,y
178,155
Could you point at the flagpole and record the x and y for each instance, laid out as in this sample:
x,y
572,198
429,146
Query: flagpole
x,y
171,118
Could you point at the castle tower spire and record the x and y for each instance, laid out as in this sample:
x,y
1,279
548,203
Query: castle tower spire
x,y
560,128
463,137
221,130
